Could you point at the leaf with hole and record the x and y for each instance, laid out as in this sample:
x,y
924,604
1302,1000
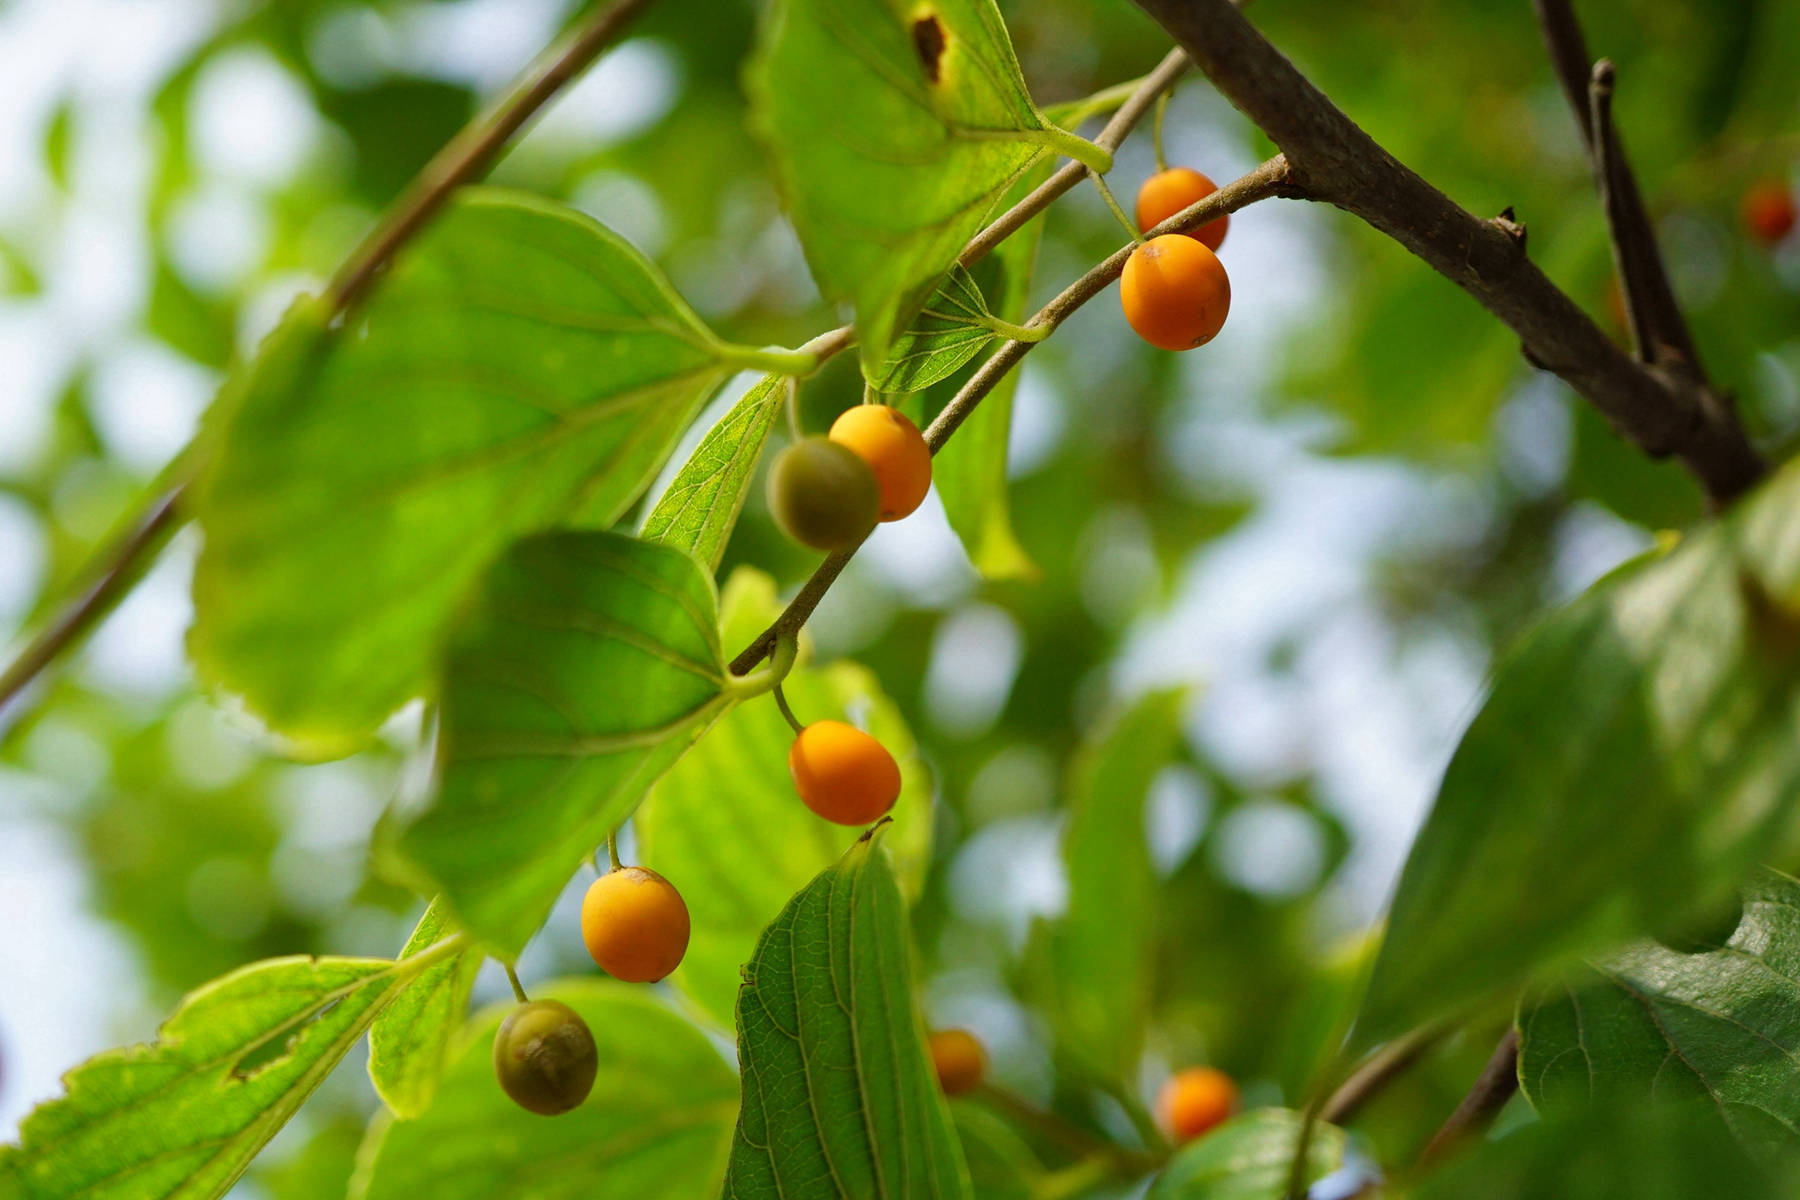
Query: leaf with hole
x,y
839,1095
589,663
657,1123
184,1115
410,1040
700,507
727,817
519,367
1635,758
895,128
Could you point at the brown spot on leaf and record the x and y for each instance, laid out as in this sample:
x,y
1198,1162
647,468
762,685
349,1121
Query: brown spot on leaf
x,y
929,42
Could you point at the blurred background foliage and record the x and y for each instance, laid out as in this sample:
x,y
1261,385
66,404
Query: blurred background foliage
x,y
1322,526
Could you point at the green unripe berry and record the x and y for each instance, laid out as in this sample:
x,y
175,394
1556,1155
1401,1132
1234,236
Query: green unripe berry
x,y
544,1057
823,494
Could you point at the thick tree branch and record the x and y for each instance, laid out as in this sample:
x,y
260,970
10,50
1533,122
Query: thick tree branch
x,y
1498,1080
1270,179
1333,159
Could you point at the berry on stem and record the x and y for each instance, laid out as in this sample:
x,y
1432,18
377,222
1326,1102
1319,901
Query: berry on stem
x,y
1769,211
958,1060
635,924
1175,293
1168,192
843,774
544,1057
895,450
823,494
1195,1101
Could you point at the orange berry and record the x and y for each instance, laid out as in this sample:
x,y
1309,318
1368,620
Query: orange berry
x,y
1195,1101
1168,192
1769,211
895,450
843,774
635,924
958,1060
1175,292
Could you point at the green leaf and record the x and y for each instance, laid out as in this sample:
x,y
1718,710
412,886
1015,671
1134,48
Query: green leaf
x,y
657,1124
1721,1028
1101,949
410,1041
700,508
1660,1152
589,663
727,814
1635,759
894,129
839,1095
519,365
183,1116
1002,1165
949,331
1249,1158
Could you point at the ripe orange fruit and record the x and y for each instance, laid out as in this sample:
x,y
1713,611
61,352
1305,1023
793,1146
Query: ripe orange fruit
x,y
823,495
1168,192
544,1057
958,1060
895,450
1175,292
635,924
1195,1101
843,774
1769,211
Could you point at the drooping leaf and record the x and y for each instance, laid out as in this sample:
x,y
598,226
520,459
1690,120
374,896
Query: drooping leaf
x,y
839,1096
1635,758
1101,949
658,1122
1249,1158
520,365
727,815
1661,1152
410,1041
894,129
589,663
701,505
184,1115
1721,1028
949,331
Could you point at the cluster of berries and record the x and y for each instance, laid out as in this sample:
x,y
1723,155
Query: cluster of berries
x,y
1174,290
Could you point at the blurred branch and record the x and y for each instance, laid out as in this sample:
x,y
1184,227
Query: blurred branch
x,y
115,568
1493,1088
1380,1069
1073,1139
1270,179
1332,159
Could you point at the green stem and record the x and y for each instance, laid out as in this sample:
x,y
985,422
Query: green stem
x,y
1103,101
1156,130
781,661
786,712
1112,202
1095,158
1017,333
412,964
612,850
518,988
772,360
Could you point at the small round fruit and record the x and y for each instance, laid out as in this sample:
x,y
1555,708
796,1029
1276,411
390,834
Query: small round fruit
x,y
1769,211
958,1060
544,1057
635,924
895,450
1195,1101
843,774
1175,293
823,495
1168,192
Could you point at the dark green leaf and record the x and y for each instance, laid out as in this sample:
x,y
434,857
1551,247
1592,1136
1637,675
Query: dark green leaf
x,y
839,1095
589,664
410,1041
519,365
1635,758
657,1124
700,508
1249,1158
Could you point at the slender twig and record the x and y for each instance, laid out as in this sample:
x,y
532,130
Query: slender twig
x,y
463,158
1334,160
1270,179
110,576
512,977
781,702
1498,1080
1379,1070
